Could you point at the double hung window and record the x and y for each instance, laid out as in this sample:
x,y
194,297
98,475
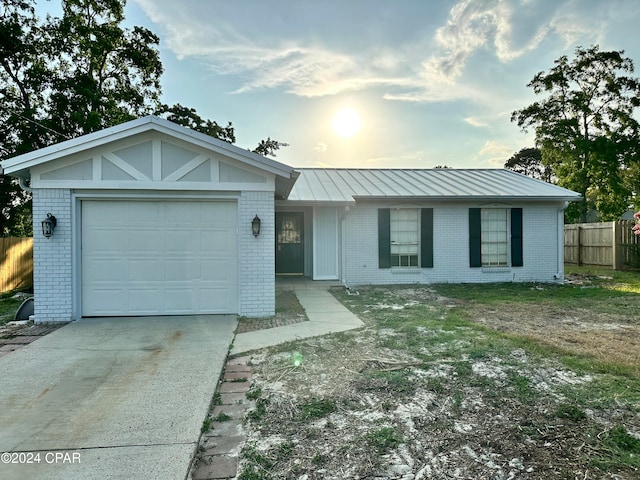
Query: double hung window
x,y
405,237
494,237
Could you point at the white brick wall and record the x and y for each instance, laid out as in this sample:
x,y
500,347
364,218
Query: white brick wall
x,y
52,257
53,283
256,296
542,256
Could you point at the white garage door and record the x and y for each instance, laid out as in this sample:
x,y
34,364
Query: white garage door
x,y
159,257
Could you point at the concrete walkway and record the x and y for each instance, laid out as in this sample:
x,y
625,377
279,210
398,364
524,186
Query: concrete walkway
x,y
326,315
111,398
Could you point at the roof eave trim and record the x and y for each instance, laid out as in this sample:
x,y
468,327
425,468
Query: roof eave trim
x,y
562,198
133,127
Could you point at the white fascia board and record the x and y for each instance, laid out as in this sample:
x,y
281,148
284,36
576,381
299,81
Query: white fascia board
x,y
134,127
75,145
472,198
225,148
156,186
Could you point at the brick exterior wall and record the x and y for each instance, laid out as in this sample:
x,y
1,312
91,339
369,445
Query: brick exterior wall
x,y
53,257
52,275
53,262
543,254
256,291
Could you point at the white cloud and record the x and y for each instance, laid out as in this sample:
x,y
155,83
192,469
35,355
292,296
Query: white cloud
x,y
321,147
496,153
476,122
432,67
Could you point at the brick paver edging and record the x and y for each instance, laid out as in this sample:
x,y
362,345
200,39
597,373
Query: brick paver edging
x,y
219,446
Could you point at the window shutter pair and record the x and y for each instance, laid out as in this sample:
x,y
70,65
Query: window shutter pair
x,y
475,238
426,238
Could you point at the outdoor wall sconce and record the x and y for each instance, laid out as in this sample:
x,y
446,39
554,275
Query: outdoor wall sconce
x,y
255,226
48,225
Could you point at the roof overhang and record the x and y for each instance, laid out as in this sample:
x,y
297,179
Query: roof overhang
x,y
20,165
474,198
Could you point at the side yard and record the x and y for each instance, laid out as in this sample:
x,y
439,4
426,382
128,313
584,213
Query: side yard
x,y
502,381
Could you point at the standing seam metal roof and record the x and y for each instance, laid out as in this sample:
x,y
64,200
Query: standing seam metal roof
x,y
346,185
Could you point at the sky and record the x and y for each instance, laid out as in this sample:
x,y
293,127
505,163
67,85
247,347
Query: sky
x,y
430,82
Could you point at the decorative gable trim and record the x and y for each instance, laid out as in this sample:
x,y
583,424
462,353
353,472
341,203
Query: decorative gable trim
x,y
151,161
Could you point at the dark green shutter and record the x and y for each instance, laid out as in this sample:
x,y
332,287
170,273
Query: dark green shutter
x,y
517,259
475,238
426,237
384,238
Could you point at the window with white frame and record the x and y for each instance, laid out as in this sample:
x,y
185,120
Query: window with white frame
x,y
405,237
495,238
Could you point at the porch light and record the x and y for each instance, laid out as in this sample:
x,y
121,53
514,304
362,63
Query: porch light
x,y
48,225
255,226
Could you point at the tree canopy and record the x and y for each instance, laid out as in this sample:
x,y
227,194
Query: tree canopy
x,y
586,130
528,161
65,77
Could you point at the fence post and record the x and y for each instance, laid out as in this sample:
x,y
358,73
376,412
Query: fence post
x,y
578,235
616,255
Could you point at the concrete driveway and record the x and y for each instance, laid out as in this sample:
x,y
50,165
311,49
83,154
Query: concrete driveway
x,y
111,398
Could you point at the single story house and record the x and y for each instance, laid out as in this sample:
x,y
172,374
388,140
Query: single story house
x,y
152,218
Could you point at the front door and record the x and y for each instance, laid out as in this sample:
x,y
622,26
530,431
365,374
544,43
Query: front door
x,y
289,243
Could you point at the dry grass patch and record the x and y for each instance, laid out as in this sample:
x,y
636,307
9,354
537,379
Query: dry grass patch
x,y
455,382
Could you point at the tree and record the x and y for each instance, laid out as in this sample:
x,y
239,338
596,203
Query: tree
x,y
586,130
19,77
69,76
188,117
103,74
268,147
528,161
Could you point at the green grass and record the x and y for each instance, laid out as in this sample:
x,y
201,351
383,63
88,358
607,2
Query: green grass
x,y
206,425
315,409
396,381
570,411
221,417
254,393
433,332
603,290
258,465
383,439
616,447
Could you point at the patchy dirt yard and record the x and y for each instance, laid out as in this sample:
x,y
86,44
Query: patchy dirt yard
x,y
431,388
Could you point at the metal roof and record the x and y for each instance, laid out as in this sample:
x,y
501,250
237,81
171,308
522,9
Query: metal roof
x,y
333,185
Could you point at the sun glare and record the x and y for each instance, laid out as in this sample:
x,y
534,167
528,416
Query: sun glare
x,y
346,122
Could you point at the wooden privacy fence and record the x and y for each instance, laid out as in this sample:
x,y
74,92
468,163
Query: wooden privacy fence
x,y
16,263
607,244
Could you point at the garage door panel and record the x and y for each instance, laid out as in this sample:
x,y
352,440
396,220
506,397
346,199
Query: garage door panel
x,y
182,271
102,302
144,270
143,241
183,214
181,300
106,213
154,258
106,241
144,301
108,272
217,242
142,213
215,270
215,299
181,241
